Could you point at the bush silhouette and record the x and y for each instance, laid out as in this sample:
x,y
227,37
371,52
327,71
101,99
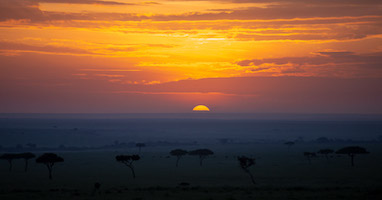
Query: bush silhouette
x,y
128,161
202,153
178,153
245,164
49,159
352,151
26,156
325,152
9,157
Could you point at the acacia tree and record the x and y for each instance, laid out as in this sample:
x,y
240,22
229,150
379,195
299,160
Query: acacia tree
x,y
9,157
245,164
309,155
26,156
140,145
202,153
178,153
352,151
128,161
326,152
49,159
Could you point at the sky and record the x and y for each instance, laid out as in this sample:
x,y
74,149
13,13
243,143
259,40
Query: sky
x,y
167,56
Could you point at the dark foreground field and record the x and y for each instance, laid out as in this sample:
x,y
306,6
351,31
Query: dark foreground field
x,y
280,173
205,193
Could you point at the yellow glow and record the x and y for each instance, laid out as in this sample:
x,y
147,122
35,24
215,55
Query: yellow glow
x,y
163,40
201,108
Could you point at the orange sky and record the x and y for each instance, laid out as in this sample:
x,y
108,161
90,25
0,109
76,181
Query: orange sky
x,y
131,56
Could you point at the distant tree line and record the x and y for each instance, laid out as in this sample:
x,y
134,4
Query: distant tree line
x,y
245,162
201,153
49,159
12,156
351,151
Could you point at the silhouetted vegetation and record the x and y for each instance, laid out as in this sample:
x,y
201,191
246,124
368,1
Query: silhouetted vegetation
x,y
310,155
9,157
26,156
352,151
49,159
202,153
140,145
325,152
128,160
245,164
178,153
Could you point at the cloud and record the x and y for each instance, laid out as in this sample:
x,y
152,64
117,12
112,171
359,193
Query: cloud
x,y
20,9
20,47
27,9
333,2
326,63
282,12
182,93
310,2
83,2
321,58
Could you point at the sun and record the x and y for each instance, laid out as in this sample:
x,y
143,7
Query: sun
x,y
201,108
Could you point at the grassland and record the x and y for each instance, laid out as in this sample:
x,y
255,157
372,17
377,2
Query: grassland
x,y
280,173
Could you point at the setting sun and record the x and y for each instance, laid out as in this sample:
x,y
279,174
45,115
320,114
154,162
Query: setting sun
x,y
202,108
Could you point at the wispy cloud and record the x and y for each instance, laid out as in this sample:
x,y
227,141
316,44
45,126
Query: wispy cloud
x,y
184,93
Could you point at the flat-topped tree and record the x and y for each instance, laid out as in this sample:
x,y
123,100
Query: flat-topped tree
x,y
352,151
325,152
140,145
49,159
178,153
202,153
26,156
9,157
245,164
128,161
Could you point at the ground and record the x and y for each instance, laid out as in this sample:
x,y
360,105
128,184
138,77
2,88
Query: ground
x,y
280,173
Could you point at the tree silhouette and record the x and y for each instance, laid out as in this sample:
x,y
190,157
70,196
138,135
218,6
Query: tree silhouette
x,y
326,152
309,155
352,151
245,164
289,143
26,156
178,153
49,159
202,153
128,161
9,157
140,145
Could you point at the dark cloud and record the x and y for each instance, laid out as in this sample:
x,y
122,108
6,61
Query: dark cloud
x,y
293,71
284,12
19,9
310,2
343,60
83,2
13,46
27,9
